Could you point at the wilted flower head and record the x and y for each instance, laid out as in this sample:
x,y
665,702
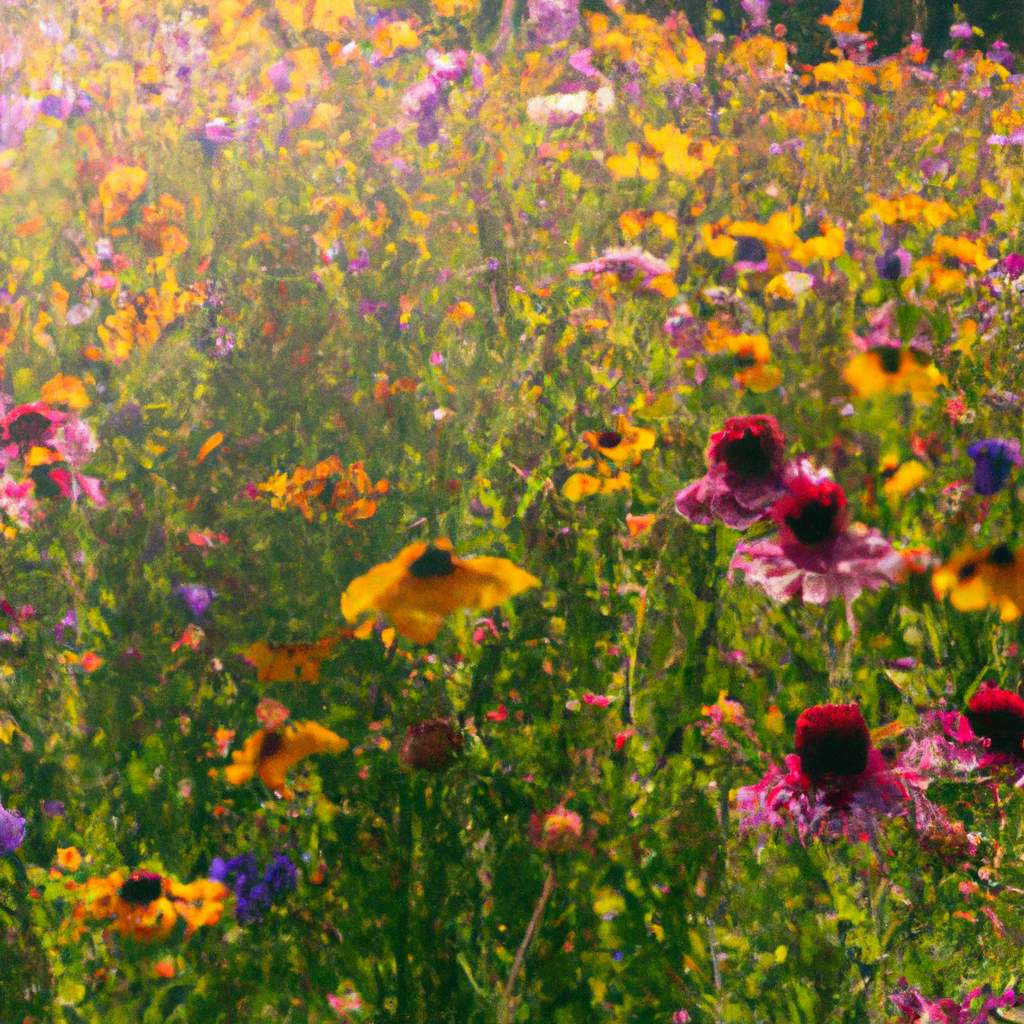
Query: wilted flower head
x,y
994,458
431,745
558,831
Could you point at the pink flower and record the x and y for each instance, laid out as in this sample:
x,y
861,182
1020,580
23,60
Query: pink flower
x,y
989,735
558,831
28,425
744,477
815,555
597,700
627,262
835,784
918,1009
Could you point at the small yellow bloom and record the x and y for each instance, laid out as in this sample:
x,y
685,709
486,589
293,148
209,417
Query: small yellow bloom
x,y
119,189
68,858
272,754
990,578
894,371
65,390
900,480
419,588
623,444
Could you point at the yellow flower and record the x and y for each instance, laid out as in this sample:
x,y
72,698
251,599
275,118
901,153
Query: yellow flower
x,y
65,390
68,858
419,588
990,578
895,371
633,164
289,663
119,189
273,753
582,485
900,480
965,250
624,443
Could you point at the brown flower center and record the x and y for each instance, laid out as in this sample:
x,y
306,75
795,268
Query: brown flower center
x,y
746,456
609,439
889,357
141,888
433,562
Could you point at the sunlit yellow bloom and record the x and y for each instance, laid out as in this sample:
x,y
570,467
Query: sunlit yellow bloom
x,y
901,479
894,371
65,390
681,154
273,754
779,232
909,208
624,443
419,588
829,245
290,663
966,250
633,164
990,578
789,285
752,354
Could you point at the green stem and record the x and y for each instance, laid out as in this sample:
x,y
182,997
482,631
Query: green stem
x,y
508,1000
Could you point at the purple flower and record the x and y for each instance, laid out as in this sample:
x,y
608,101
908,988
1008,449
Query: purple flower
x,y
757,11
255,893
196,597
994,458
281,875
12,830
54,808
961,31
280,75
16,116
551,21
446,68
420,101
893,264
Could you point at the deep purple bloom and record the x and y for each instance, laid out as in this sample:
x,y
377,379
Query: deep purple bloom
x,y
54,808
893,264
197,597
994,458
12,830
255,893
281,875
551,21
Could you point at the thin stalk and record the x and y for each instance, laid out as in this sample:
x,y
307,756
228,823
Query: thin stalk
x,y
508,1000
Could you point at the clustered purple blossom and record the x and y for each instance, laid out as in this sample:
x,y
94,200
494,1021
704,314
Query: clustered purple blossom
x,y
551,21
12,830
255,892
422,102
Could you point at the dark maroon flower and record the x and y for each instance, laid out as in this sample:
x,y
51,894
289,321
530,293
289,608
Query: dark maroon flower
x,y
998,715
832,742
28,425
812,511
431,745
141,888
744,477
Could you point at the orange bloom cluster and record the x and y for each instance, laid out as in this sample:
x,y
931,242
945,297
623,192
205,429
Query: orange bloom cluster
x,y
146,906
330,484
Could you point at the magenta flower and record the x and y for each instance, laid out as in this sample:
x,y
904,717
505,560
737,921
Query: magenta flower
x,y
628,262
835,783
28,425
918,1009
685,331
744,477
816,556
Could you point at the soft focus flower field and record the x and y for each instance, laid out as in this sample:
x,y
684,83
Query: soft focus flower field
x,y
508,514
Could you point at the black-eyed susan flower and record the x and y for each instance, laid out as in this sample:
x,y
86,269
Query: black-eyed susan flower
x,y
900,478
751,354
272,753
146,906
623,444
895,370
990,578
419,588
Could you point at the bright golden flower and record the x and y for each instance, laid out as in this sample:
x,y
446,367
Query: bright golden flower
x,y
419,588
894,371
146,906
273,753
990,578
901,478
623,444
119,189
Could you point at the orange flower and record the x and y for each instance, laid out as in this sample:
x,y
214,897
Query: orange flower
x,y
68,858
273,753
290,663
119,189
146,906
425,583
65,390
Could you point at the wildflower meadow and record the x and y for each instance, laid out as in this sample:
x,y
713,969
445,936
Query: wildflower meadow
x,y
511,512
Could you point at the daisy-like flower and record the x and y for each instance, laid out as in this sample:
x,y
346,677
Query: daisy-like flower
x,y
816,556
744,477
918,1009
623,444
272,753
994,458
419,588
836,783
146,906
990,578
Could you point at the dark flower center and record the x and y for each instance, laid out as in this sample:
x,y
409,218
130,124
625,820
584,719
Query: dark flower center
x,y
750,250
967,571
141,888
46,486
271,744
815,523
29,427
889,357
745,359
1001,554
609,439
998,715
832,741
746,456
433,562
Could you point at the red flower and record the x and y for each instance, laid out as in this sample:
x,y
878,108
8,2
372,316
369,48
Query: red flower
x,y
28,425
812,512
998,715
